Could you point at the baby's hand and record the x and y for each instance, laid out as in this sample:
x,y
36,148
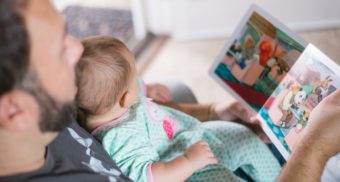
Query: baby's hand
x,y
158,92
200,155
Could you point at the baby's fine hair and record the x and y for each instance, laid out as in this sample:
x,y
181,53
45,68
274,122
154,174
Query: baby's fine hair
x,y
103,73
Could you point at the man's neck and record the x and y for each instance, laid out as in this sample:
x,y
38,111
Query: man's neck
x,y
20,157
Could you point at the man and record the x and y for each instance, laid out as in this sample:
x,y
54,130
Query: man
x,y
37,59
37,87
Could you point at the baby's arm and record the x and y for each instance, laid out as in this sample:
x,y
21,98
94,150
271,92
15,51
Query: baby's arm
x,y
195,157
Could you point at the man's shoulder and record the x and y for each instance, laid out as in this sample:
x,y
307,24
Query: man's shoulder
x,y
81,150
74,156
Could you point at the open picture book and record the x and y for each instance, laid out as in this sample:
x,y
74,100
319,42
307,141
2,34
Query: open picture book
x,y
274,73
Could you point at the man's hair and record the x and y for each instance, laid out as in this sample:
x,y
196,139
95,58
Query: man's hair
x,y
103,73
14,46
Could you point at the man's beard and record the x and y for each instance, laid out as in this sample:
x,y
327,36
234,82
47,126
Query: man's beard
x,y
54,116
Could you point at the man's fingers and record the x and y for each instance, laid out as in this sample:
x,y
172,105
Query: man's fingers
x,y
264,137
336,93
243,113
254,120
334,97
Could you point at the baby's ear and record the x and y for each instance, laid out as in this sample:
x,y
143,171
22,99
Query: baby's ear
x,y
124,99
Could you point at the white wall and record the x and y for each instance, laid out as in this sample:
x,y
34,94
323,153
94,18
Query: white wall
x,y
188,19
159,18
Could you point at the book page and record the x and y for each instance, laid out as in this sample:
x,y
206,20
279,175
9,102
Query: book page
x,y
256,59
285,114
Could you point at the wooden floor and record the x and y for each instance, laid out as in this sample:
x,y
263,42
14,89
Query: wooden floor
x,y
189,61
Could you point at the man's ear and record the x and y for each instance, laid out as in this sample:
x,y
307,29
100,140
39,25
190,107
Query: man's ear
x,y
124,100
11,113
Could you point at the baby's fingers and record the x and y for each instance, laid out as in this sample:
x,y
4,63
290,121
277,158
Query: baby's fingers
x,y
204,143
212,160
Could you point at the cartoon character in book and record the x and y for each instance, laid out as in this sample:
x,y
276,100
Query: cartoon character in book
x,y
285,106
268,67
235,52
245,53
321,88
249,49
265,50
303,120
235,49
291,103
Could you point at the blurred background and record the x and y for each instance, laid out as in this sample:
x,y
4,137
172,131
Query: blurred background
x,y
180,39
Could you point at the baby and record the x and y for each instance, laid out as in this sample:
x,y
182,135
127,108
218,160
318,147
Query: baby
x,y
150,142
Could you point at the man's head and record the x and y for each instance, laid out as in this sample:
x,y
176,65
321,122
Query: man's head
x,y
37,80
106,77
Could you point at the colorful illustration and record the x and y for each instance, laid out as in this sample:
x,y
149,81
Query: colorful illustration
x,y
273,72
258,60
307,83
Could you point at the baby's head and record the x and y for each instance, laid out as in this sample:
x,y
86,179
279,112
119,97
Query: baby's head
x,y
106,78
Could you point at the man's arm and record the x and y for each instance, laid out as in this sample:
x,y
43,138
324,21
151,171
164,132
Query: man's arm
x,y
306,163
227,111
320,141
202,112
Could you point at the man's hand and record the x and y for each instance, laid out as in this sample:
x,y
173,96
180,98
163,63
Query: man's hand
x,y
320,140
236,112
232,112
158,92
200,155
323,128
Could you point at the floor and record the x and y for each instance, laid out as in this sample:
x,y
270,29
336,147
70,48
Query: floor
x,y
189,62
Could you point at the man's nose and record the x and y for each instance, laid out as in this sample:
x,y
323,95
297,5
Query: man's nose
x,y
75,51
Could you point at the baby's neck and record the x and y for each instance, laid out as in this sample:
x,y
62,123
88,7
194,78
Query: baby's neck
x,y
96,120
